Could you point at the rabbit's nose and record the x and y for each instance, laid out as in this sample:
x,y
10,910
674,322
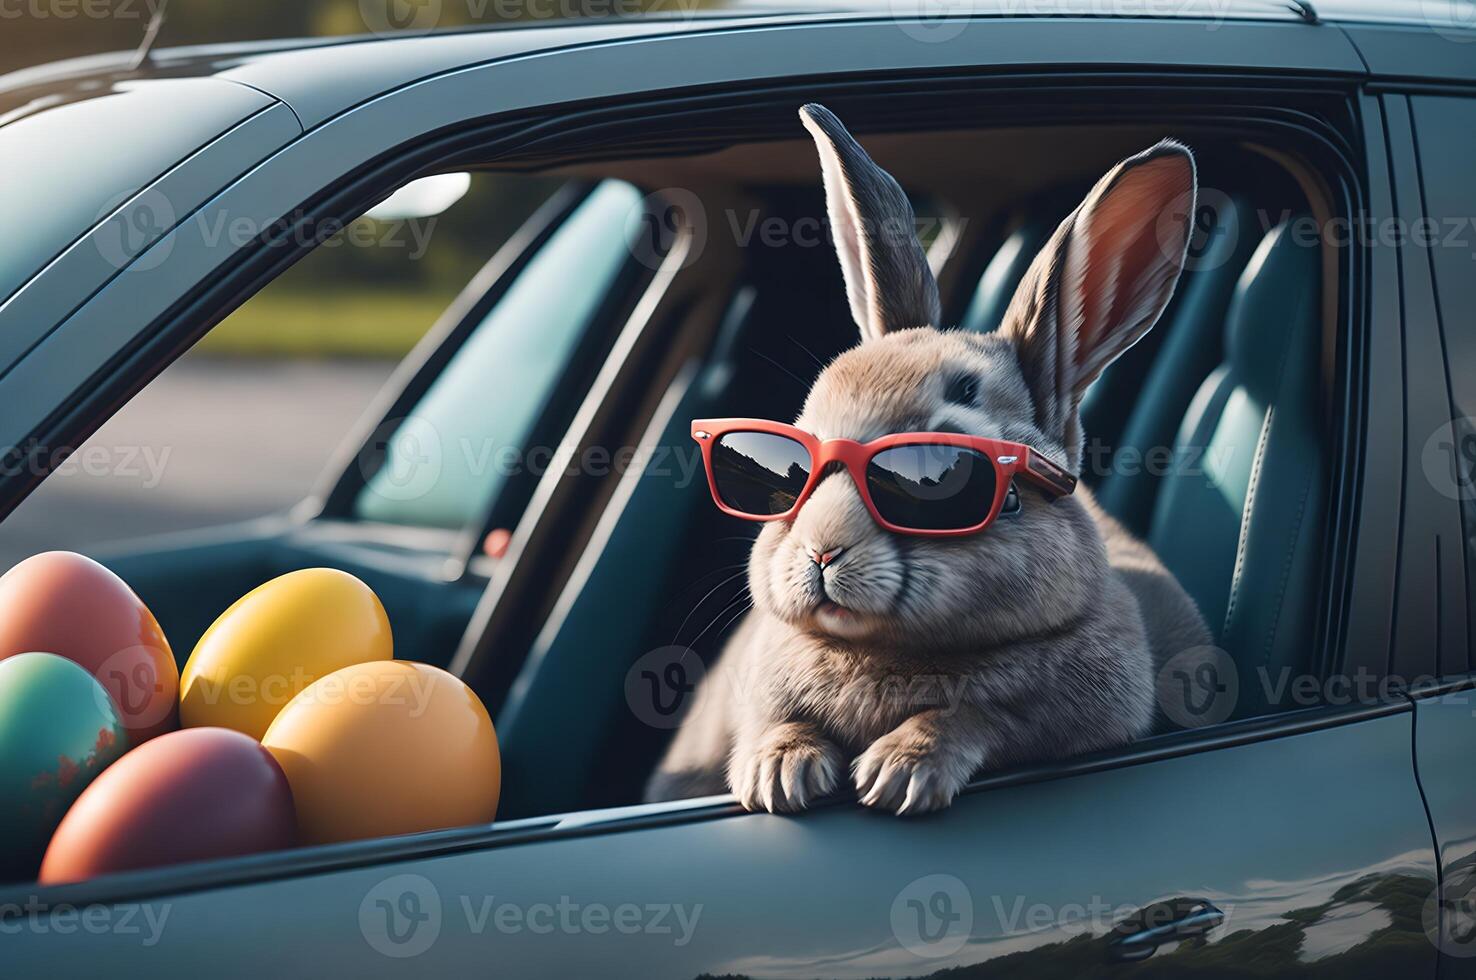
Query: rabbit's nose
x,y
824,558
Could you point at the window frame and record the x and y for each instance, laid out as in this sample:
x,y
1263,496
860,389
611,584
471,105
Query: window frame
x,y
363,451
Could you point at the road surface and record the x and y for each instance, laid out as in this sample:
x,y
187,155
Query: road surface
x,y
211,441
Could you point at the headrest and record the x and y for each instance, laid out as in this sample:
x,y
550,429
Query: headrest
x,y
1274,307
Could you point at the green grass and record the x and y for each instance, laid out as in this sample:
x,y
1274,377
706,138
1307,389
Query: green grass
x,y
326,324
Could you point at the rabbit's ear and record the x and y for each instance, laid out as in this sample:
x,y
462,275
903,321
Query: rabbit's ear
x,y
1102,281
888,282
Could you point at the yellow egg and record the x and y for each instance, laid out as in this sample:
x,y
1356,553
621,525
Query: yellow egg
x,y
386,748
274,642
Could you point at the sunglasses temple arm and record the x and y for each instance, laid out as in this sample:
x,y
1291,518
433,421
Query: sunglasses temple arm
x,y
1040,470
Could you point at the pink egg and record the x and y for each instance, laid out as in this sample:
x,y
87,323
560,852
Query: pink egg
x,y
189,795
69,605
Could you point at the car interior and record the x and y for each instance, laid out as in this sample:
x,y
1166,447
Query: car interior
x,y
666,282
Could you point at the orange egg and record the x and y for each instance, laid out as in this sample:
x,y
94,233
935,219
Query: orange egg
x,y
64,603
386,747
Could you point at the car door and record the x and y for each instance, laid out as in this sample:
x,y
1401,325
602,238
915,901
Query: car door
x,y
1294,850
1441,252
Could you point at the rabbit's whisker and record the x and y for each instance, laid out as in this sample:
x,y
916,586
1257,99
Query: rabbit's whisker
x,y
698,605
795,340
797,380
742,599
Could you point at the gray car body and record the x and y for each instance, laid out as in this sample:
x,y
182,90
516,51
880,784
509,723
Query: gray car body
x,y
1313,822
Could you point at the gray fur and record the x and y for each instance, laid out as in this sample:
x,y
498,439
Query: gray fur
x,y
1036,639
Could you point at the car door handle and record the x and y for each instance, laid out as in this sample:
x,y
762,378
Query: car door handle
x,y
1137,936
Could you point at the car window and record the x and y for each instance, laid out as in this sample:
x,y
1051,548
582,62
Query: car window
x,y
453,452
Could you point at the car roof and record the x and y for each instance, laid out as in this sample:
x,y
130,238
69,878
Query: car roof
x,y
684,16
1414,13
312,81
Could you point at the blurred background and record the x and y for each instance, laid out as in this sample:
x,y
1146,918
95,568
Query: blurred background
x,y
243,425
39,31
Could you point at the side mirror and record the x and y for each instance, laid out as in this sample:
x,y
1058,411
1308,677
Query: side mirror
x,y
423,198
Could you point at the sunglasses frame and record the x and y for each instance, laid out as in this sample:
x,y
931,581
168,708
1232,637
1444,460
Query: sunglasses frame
x,y
1010,460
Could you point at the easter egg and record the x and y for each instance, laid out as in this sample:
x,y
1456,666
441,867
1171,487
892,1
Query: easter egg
x,y
67,604
189,795
276,640
58,730
387,748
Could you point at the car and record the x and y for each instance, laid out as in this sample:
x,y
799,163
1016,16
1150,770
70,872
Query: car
x,y
1294,438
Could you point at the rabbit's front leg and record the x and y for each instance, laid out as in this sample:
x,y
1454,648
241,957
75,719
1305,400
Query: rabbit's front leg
x,y
922,763
784,767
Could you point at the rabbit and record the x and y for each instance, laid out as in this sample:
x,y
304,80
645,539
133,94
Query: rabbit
x,y
907,664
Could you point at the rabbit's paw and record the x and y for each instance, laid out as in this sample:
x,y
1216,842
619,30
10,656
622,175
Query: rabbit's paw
x,y
791,767
905,771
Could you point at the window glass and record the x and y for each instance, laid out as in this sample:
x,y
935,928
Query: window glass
x,y
450,457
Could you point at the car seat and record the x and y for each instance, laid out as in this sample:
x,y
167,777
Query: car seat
x,y
1240,516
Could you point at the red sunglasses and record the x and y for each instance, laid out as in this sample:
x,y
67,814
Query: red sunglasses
x,y
939,484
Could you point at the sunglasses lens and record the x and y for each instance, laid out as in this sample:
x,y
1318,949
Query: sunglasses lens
x,y
932,488
759,473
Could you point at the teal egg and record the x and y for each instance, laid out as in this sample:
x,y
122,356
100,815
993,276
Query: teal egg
x,y
58,729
